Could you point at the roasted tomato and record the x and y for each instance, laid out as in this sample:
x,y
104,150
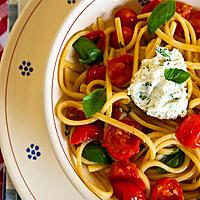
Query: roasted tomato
x,y
120,70
97,37
167,189
183,9
121,145
150,6
195,21
86,132
127,171
125,190
188,131
128,17
96,72
75,114
127,34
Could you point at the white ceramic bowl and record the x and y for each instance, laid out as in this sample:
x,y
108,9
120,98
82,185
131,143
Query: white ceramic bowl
x,y
84,14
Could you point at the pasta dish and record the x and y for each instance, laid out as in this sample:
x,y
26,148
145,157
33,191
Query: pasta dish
x,y
131,100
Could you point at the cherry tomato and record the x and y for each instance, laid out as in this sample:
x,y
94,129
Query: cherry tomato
x,y
127,171
98,37
75,114
96,72
188,131
195,21
183,9
150,6
86,132
120,70
125,190
121,145
128,17
127,33
167,189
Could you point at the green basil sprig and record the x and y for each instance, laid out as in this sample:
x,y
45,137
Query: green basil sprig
x,y
88,51
93,102
176,75
96,153
161,14
173,160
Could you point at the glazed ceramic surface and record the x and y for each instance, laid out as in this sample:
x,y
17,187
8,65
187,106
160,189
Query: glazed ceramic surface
x,y
29,92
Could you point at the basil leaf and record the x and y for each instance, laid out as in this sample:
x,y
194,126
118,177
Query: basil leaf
x,y
176,75
161,14
93,102
173,160
164,52
96,153
88,52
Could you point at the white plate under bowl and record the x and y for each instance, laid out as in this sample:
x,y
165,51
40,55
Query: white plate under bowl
x,y
83,15
24,139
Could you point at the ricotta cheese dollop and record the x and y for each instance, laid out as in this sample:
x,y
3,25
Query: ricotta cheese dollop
x,y
157,96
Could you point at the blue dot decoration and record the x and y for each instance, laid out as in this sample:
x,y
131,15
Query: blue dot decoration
x,y
143,2
33,152
71,1
25,68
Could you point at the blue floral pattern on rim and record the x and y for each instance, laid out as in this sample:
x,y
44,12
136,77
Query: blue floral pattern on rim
x,y
143,2
33,152
26,68
71,1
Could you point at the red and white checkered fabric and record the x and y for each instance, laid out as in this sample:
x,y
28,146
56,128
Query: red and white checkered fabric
x,y
3,24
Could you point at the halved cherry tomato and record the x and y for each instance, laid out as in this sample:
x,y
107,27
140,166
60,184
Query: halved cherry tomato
x,y
127,33
86,132
195,21
150,6
183,9
128,17
121,145
127,171
75,114
188,131
125,190
98,37
120,70
167,189
96,72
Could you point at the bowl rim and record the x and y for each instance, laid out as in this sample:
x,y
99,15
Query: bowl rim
x,y
48,87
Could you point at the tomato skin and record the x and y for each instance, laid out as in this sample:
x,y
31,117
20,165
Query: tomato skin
x,y
86,132
127,33
125,190
188,131
98,36
120,70
183,9
195,21
96,72
128,17
120,144
126,171
167,189
150,6
75,114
